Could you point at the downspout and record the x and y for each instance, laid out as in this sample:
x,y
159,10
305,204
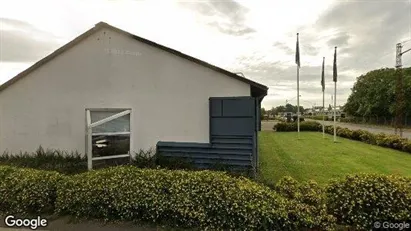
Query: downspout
x,y
258,109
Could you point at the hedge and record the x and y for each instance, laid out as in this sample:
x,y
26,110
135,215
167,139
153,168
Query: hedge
x,y
304,126
206,199
360,200
356,200
27,191
192,199
381,139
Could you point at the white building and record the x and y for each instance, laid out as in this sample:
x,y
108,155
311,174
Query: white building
x,y
150,92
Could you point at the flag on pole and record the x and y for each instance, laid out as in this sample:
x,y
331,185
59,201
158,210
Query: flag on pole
x,y
322,76
335,65
297,53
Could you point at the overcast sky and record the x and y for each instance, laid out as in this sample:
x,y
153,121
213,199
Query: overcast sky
x,y
254,37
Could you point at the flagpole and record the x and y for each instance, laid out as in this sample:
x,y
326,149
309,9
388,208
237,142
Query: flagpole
x,y
297,61
335,92
298,101
323,115
323,86
335,105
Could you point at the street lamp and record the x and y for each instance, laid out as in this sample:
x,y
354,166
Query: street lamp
x,y
399,91
286,101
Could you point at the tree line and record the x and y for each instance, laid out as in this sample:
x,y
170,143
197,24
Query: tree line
x,y
373,94
282,109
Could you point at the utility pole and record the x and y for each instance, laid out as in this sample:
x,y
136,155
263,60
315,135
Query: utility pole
x,y
399,91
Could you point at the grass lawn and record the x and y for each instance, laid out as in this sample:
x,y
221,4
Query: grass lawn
x,y
313,157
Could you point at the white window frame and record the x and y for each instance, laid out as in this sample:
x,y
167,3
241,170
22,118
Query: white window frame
x,y
90,134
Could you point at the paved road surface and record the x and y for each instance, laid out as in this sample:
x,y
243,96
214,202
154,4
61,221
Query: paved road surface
x,y
268,126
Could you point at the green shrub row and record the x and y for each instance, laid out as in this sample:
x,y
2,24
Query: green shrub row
x,y
73,162
24,190
317,117
357,200
198,199
52,160
304,126
381,139
206,199
360,200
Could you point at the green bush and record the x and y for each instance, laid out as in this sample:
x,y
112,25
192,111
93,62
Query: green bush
x,y
359,200
390,141
308,192
73,162
310,195
27,191
304,126
368,137
383,140
356,135
205,199
317,117
406,146
53,160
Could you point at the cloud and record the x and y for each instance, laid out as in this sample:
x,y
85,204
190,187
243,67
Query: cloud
x,y
341,39
228,17
282,46
310,50
22,42
367,32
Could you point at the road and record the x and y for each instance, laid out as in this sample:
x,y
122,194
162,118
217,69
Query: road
x,y
268,126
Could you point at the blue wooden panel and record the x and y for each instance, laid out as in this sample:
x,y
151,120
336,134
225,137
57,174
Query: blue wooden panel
x,y
203,155
216,107
239,107
232,126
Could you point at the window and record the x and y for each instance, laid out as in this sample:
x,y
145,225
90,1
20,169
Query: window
x,y
108,135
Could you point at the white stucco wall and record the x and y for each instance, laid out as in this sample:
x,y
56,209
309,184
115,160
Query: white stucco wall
x,y
168,96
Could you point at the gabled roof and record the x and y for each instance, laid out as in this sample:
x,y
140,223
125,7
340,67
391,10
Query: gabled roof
x,y
257,89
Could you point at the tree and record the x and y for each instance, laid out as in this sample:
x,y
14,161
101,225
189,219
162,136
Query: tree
x,y
373,94
289,108
330,108
280,109
262,113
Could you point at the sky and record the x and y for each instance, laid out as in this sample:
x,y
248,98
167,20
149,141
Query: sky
x,y
257,38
